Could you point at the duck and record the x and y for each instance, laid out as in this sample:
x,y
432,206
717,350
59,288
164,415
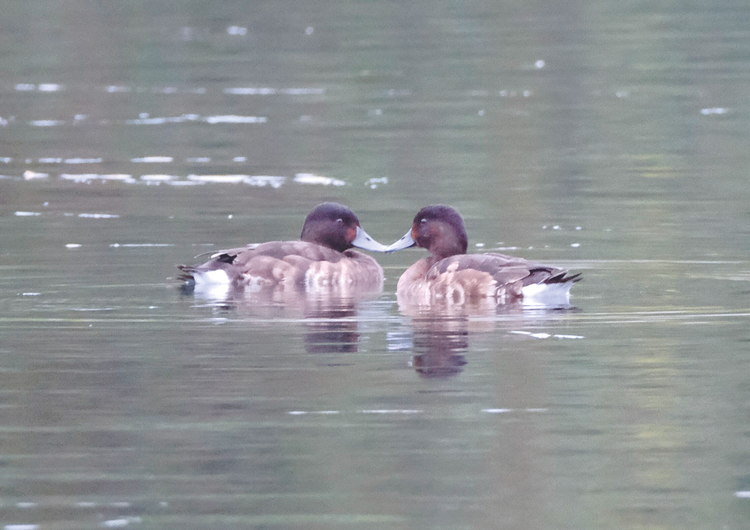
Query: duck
x,y
452,276
321,259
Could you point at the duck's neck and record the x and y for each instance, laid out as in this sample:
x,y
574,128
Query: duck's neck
x,y
434,258
445,249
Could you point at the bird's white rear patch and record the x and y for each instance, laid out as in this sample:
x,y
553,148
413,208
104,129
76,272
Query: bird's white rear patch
x,y
547,294
207,279
212,285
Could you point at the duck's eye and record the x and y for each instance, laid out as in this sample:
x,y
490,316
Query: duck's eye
x,y
423,221
340,221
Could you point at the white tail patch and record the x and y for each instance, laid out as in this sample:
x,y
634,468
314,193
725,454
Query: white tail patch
x,y
213,285
547,294
208,279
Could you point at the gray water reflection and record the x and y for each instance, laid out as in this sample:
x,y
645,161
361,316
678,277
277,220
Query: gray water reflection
x,y
441,332
330,318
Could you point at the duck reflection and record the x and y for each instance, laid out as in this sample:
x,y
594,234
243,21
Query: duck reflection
x,y
441,332
439,345
329,317
331,326
441,335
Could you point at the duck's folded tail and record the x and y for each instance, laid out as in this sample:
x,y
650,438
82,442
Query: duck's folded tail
x,y
187,273
564,277
551,291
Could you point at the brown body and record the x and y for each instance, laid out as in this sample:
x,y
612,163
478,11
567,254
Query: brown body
x,y
323,259
295,264
450,275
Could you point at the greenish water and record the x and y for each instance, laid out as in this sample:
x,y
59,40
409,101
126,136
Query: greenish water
x,y
607,137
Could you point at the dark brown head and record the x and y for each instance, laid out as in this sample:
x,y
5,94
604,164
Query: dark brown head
x,y
335,226
438,228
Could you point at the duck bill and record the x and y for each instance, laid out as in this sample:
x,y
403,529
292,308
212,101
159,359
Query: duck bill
x,y
363,240
405,242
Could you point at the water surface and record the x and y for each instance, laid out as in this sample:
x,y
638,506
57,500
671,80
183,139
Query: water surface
x,y
605,137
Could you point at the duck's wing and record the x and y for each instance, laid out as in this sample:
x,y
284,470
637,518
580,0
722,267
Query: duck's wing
x,y
539,273
494,274
480,268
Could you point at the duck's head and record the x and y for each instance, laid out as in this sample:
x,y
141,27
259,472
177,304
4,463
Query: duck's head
x,y
438,228
335,226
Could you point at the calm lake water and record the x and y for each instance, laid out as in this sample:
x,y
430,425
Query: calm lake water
x,y
608,137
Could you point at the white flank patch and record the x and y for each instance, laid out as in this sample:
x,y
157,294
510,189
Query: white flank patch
x,y
27,214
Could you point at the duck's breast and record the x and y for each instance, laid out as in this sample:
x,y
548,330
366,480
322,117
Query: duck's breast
x,y
353,270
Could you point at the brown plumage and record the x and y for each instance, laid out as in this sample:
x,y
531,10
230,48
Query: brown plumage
x,y
323,259
451,275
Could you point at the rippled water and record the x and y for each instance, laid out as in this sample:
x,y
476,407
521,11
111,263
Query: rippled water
x,y
610,138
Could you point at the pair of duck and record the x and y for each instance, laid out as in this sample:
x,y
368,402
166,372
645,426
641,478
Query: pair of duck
x,y
323,258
